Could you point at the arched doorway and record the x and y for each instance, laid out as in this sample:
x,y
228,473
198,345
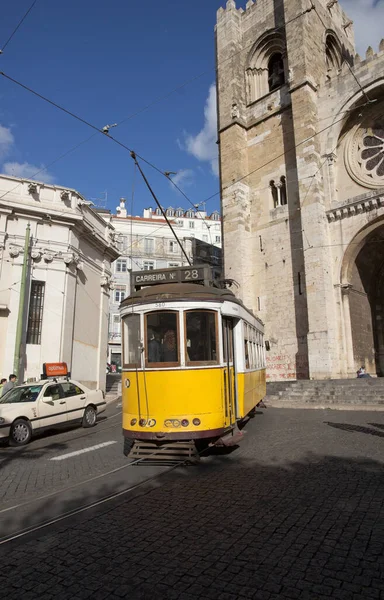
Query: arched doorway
x,y
366,303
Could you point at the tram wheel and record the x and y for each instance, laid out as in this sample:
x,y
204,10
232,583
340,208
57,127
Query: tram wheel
x,y
128,443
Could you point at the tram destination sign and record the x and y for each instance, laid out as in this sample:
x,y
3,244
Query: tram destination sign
x,y
195,274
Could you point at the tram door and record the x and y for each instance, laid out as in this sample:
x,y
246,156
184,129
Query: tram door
x,y
229,371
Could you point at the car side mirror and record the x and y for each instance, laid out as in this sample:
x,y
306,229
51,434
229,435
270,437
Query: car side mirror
x,y
47,399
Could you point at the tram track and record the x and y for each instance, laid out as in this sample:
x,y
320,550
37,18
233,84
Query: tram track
x,y
87,506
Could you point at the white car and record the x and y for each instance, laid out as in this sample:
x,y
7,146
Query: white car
x,y
29,408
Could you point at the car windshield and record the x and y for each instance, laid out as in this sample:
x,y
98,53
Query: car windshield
x,y
25,393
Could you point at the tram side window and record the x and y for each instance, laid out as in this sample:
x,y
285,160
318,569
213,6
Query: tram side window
x,y
201,337
162,338
246,346
252,347
132,346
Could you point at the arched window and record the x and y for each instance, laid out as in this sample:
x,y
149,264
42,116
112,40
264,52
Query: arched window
x,y
276,77
333,55
190,214
158,212
215,216
279,192
266,65
179,212
170,212
283,191
275,194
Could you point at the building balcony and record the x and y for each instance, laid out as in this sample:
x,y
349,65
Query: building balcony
x,y
114,338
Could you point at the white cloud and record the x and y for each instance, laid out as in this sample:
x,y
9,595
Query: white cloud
x,y
368,19
203,145
27,171
6,140
183,178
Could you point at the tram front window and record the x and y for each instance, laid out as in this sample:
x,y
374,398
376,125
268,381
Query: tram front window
x,y
162,338
131,336
201,337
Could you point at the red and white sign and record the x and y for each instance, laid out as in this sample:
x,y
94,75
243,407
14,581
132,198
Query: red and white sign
x,y
55,369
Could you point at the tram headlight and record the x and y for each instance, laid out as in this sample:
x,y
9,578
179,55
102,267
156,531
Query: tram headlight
x,y
196,422
185,423
152,422
142,422
133,422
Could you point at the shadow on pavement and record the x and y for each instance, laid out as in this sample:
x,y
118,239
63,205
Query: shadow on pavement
x,y
357,428
233,528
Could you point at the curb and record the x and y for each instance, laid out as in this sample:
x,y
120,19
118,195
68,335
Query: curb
x,y
110,399
324,406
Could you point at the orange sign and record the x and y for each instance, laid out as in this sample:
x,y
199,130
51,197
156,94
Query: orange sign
x,y
55,369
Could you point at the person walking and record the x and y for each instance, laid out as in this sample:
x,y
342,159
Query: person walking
x,y
9,385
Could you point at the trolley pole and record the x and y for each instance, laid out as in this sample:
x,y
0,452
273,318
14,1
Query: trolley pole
x,y
19,328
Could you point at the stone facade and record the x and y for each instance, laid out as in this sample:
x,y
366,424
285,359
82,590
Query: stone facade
x,y
301,132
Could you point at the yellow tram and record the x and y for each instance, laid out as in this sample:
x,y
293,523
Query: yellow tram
x,y
193,360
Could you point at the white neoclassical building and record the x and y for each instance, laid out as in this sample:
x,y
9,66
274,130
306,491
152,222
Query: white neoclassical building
x,y
67,280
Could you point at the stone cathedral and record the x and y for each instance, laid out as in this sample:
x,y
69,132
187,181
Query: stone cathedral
x,y
301,140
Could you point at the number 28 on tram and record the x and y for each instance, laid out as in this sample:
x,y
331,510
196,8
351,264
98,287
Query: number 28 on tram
x,y
193,363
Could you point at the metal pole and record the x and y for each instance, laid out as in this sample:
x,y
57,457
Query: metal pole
x,y
19,329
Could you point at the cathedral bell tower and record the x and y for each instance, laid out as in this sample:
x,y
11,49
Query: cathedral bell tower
x,y
273,60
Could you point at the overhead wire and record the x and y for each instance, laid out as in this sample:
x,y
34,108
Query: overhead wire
x,y
17,26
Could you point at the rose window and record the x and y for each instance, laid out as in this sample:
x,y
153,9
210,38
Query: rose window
x,y
364,148
372,152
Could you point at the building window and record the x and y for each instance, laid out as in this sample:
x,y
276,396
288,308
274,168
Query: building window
x,y
121,265
148,265
215,216
279,192
120,293
179,222
173,265
122,243
148,245
276,76
283,191
173,246
35,316
333,55
191,224
158,212
190,214
170,212
179,212
218,239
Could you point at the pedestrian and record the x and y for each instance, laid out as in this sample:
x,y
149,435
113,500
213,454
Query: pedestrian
x,y
9,384
1,385
169,346
154,354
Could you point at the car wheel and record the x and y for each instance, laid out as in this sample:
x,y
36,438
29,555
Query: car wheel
x,y
90,416
21,433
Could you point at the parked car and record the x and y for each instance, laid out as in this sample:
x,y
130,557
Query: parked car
x,y
27,409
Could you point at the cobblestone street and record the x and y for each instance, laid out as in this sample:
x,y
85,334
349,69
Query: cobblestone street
x,y
296,512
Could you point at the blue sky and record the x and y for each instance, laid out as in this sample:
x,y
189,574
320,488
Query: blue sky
x,y
105,61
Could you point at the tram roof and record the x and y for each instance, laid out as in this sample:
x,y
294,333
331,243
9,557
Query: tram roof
x,y
182,291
